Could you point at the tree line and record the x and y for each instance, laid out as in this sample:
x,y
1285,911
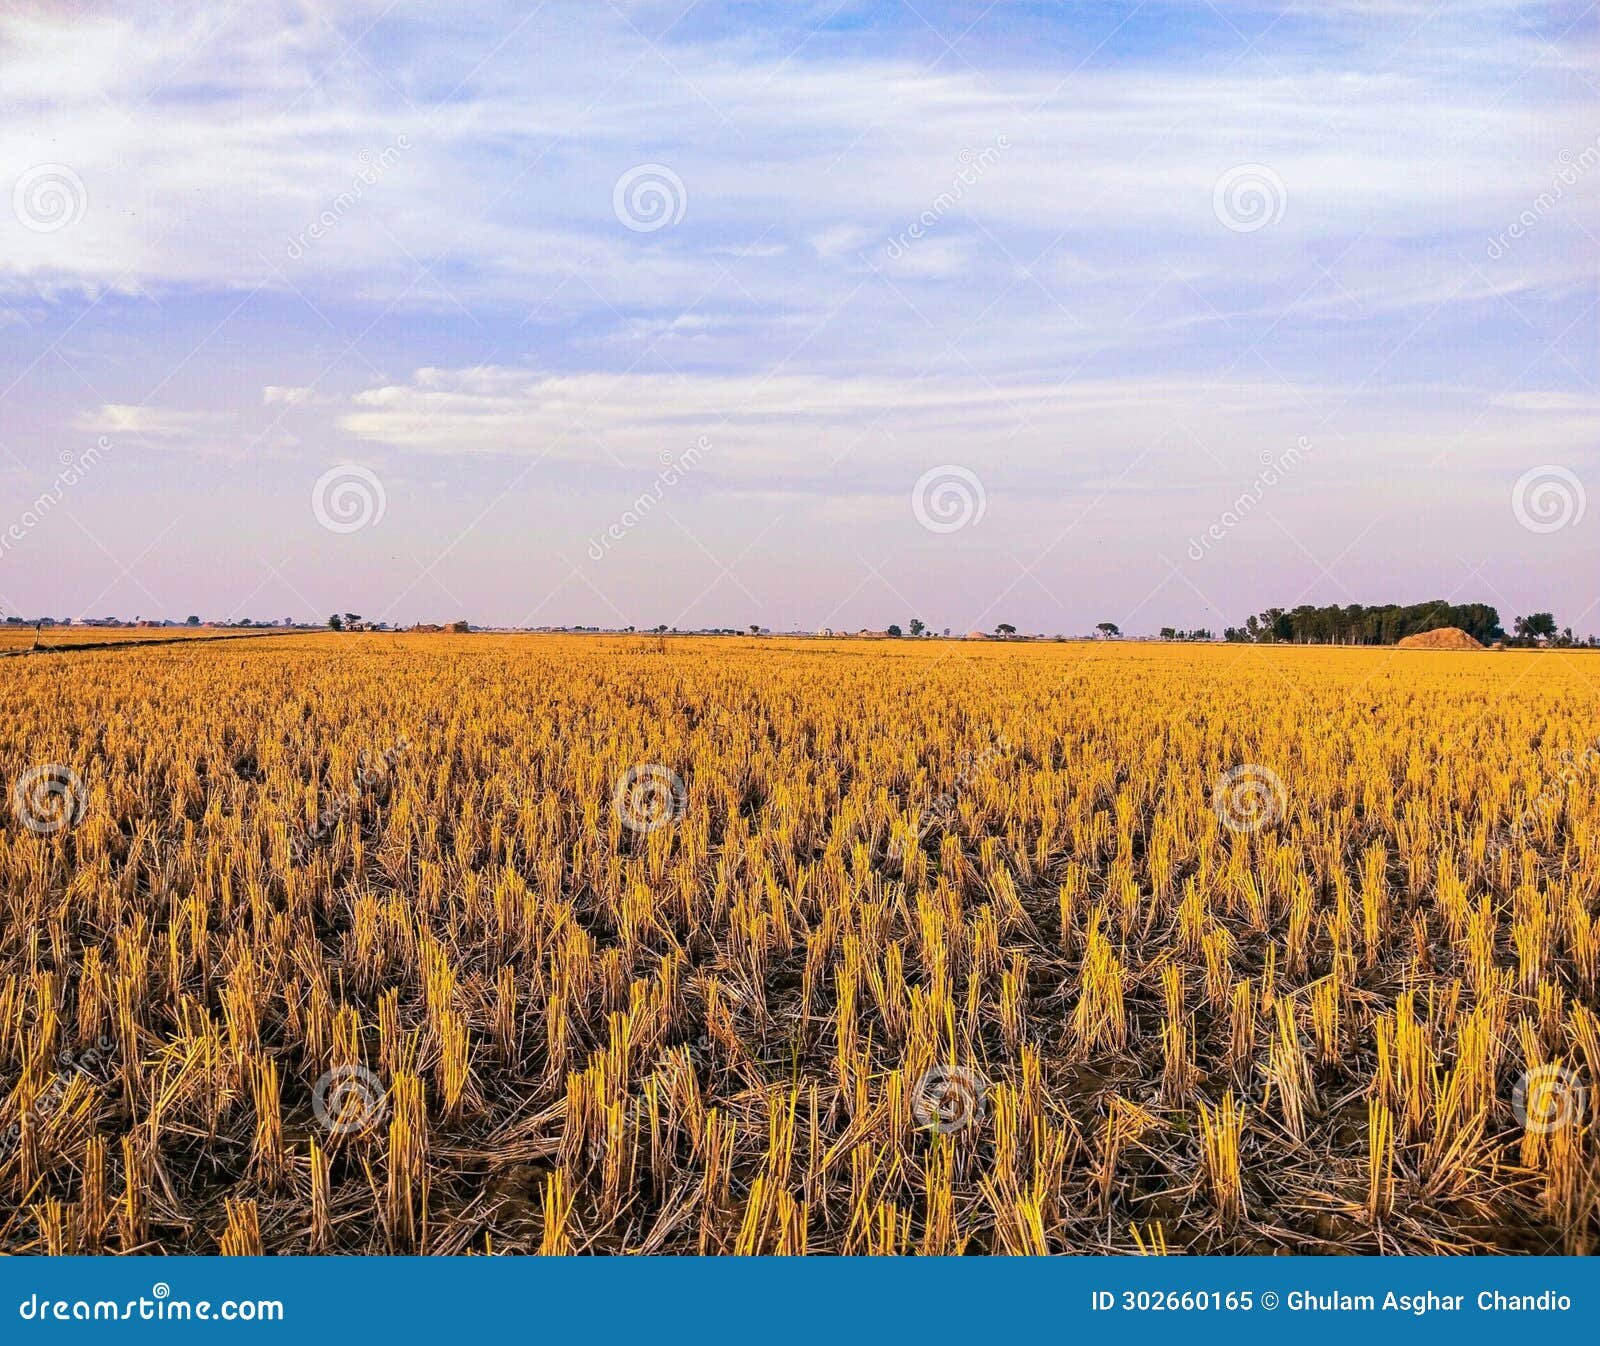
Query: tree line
x,y
1387,623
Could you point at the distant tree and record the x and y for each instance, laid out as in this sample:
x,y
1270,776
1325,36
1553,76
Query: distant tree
x,y
1168,633
662,629
1358,625
351,618
755,630
191,621
1107,628
335,623
918,626
1005,629
895,631
1535,627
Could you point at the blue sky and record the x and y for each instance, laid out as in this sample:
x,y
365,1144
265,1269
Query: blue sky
x,y
1191,309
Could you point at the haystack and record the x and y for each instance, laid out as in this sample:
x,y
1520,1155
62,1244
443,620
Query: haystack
x,y
1441,638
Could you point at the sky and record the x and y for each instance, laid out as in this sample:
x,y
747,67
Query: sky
x,y
798,314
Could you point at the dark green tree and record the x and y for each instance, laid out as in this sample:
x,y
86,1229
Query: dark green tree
x,y
1535,626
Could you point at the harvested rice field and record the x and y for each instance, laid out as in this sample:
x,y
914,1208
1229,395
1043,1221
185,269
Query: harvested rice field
x,y
521,944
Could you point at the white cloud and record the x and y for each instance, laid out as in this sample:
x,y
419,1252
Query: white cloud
x,y
208,146
1545,400
161,423
274,395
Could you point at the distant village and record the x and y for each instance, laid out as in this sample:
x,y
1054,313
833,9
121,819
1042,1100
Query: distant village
x,y
1425,625
350,621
